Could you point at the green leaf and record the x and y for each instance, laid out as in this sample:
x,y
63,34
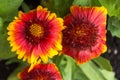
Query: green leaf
x,y
95,3
13,60
5,51
25,7
91,71
82,2
88,71
108,75
60,7
114,26
3,29
86,2
78,74
65,66
10,16
8,6
113,7
13,75
69,69
95,73
1,23
103,63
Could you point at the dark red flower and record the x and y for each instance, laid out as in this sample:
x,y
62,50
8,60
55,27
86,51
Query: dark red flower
x,y
40,72
85,35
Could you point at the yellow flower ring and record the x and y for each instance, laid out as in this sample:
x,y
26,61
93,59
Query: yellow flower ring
x,y
85,35
36,35
40,72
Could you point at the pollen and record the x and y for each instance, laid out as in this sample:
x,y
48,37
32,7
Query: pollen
x,y
80,30
36,30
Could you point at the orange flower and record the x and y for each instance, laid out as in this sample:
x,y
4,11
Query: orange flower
x,y
36,35
85,35
41,72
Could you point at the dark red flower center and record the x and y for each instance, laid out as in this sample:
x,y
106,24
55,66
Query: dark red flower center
x,y
35,33
81,36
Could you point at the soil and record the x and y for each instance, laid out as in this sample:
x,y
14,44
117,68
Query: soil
x,y
113,53
6,69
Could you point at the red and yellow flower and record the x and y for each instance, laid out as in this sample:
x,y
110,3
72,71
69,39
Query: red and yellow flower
x,y
85,35
36,35
41,72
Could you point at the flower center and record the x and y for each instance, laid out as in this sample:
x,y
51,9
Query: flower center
x,y
36,30
39,78
80,31
81,36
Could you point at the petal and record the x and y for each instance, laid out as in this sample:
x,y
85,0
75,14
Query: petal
x,y
42,13
27,17
83,56
40,72
95,15
52,52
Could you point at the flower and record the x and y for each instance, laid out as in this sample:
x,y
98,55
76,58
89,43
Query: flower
x,y
41,72
36,35
85,35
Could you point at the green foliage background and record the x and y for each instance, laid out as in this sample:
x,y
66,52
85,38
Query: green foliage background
x,y
97,69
